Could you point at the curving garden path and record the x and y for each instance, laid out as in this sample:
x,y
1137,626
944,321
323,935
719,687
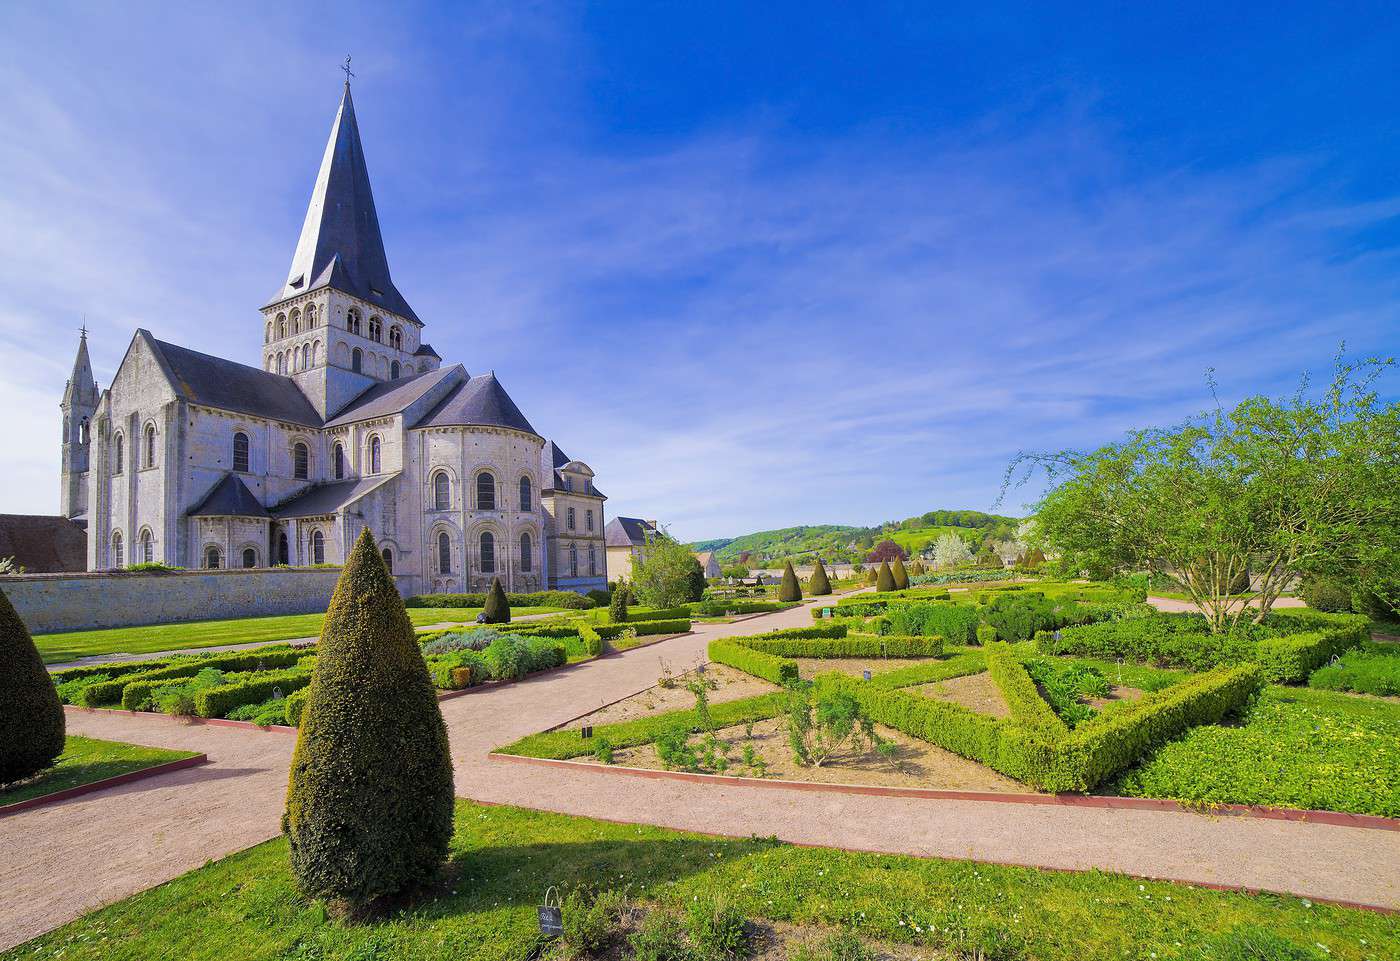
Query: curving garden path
x,y
60,861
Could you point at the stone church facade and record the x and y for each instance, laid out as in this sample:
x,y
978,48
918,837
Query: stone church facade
x,y
350,421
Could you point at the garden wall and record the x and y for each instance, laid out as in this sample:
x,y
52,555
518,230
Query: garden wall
x,y
76,602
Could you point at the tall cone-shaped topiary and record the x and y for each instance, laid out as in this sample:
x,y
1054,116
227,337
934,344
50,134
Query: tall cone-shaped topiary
x,y
31,716
901,576
820,584
497,607
789,590
884,581
369,800
871,576
917,568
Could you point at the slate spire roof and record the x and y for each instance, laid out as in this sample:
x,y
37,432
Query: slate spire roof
x,y
340,243
479,402
81,385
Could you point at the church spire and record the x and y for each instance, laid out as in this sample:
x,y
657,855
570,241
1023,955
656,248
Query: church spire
x,y
340,244
82,387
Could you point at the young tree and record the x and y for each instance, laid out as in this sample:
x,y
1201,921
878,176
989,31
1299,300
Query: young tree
x,y
1298,487
884,581
497,609
661,576
369,803
789,590
950,550
820,584
31,716
617,604
886,550
901,576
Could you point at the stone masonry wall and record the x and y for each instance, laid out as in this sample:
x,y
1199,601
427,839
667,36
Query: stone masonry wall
x,y
73,602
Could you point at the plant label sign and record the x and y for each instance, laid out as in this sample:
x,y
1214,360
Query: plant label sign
x,y
551,920
826,612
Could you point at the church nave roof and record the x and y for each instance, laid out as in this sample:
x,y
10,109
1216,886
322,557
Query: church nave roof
x,y
226,385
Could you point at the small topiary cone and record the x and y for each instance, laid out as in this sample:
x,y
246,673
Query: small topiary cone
x,y
820,583
497,609
369,798
31,715
789,590
884,581
901,576
871,575
617,604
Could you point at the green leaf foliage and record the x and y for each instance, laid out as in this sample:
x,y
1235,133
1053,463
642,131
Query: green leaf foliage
x,y
789,590
955,623
31,718
1375,670
369,803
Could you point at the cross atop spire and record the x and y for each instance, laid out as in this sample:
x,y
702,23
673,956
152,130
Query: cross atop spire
x,y
346,68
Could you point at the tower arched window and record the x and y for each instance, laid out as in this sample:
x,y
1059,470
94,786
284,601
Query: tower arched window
x,y
388,555
339,458
375,449
213,558
527,561
281,326
301,461
240,452
83,432
444,550
296,321
310,316
526,500
487,555
250,557
150,450
573,560
376,330
357,360
442,491
284,549
148,547
281,363
352,322
267,337
318,547
394,370
118,554
485,491
118,453
315,353
396,337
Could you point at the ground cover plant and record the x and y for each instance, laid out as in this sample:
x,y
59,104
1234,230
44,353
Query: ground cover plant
x,y
502,858
1297,748
83,761
1372,669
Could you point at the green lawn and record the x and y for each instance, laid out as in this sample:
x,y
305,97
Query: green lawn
x,y
60,648
85,760
504,858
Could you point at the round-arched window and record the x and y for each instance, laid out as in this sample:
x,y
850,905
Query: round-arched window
x,y
394,370
118,554
150,445
488,553
485,491
357,360
148,547
301,461
284,549
318,547
374,451
442,491
250,557
526,500
339,459
213,558
444,548
352,322
118,454
240,452
388,555
396,337
526,555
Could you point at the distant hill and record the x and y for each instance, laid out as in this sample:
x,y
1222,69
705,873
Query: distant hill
x,y
839,542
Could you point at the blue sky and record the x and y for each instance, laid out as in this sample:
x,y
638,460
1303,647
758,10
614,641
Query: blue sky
x,y
758,264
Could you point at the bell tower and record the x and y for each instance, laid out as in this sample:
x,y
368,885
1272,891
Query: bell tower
x,y
80,399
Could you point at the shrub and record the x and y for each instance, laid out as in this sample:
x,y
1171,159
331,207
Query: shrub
x,y
32,724
820,584
716,930
458,669
497,609
590,924
369,805
1372,671
901,576
956,623
851,645
1017,616
770,667
566,599
1028,708
511,656
696,582
1325,594
789,590
599,598
986,634
884,581
218,700
473,640
103,693
660,937
296,703
617,606
822,722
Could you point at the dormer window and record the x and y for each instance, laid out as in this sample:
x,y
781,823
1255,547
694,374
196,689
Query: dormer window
x,y
297,281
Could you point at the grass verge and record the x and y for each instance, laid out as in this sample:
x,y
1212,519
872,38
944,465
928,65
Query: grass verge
x,y
504,858
85,760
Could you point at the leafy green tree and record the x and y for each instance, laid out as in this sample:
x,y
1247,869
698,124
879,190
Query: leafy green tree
x,y
497,608
884,581
789,590
369,803
901,576
820,584
1290,488
617,604
661,575
696,582
31,717
739,571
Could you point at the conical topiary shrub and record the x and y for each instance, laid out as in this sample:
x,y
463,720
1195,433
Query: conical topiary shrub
x,y
369,800
31,716
497,607
901,576
871,576
917,568
789,590
884,581
820,584
617,604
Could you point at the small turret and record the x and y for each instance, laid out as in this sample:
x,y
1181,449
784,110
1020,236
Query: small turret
x,y
80,398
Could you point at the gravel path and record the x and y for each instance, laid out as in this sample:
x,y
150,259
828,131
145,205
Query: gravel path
x,y
58,862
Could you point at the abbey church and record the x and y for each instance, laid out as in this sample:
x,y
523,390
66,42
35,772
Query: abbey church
x,y
351,420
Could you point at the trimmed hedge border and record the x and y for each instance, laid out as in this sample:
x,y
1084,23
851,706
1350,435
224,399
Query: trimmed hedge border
x,y
565,599
642,628
104,693
851,645
218,701
1022,697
